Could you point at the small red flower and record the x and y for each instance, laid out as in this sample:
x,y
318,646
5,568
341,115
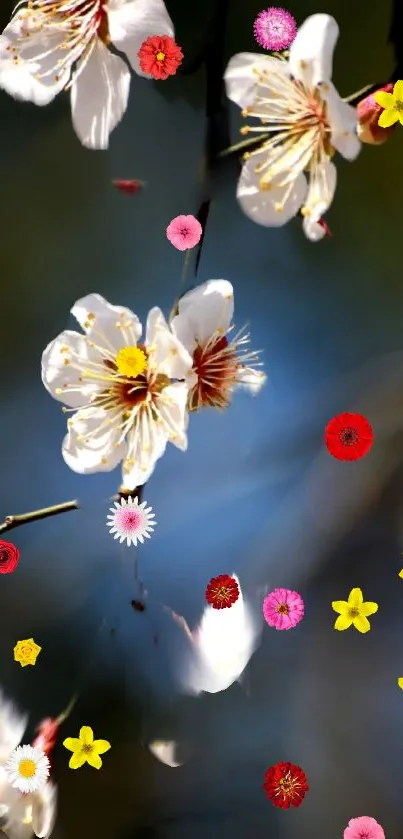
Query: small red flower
x,y
9,557
130,187
348,436
286,785
160,56
46,737
222,592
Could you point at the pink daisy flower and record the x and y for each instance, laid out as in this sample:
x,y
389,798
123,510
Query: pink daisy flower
x,y
365,827
275,29
130,521
184,232
283,608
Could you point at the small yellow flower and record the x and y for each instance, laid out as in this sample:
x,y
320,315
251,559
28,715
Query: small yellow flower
x,y
393,104
354,611
85,749
26,652
401,573
400,682
131,362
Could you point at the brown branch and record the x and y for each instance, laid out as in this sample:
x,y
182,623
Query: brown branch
x,y
10,522
24,518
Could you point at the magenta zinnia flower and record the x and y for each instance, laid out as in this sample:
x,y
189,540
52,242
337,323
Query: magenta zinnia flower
x,y
365,827
184,232
283,608
275,29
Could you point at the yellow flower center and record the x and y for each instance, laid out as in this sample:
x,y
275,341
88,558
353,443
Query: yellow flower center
x,y
160,56
353,612
87,748
27,768
283,609
399,105
131,362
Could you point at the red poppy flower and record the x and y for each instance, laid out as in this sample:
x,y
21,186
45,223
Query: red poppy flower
x,y
222,592
285,785
160,56
128,186
9,557
348,436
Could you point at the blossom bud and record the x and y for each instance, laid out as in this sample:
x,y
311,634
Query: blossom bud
x,y
368,114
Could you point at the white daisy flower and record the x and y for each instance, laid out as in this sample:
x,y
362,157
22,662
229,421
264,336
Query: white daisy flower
x,y
131,521
54,44
305,121
27,768
128,397
21,814
220,362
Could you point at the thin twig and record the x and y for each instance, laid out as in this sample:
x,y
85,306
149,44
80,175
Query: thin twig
x,y
10,522
24,518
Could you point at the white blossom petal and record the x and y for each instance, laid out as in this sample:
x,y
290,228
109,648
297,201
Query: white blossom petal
x,y
59,371
225,640
251,379
241,79
204,310
311,53
99,96
343,119
314,231
166,353
44,811
165,751
92,444
131,23
32,78
172,410
113,327
146,443
270,207
12,727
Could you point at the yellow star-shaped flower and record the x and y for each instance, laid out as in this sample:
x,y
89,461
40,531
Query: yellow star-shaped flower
x,y
354,611
400,682
85,749
401,573
392,103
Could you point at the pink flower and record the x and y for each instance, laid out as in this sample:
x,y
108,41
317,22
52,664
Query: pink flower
x,y
283,608
274,29
365,827
184,232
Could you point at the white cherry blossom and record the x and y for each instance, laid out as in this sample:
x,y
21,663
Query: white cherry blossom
x,y
51,45
120,413
21,814
303,121
220,359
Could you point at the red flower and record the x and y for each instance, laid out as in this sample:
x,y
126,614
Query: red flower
x,y
47,735
348,436
368,114
160,56
222,592
9,557
128,186
285,785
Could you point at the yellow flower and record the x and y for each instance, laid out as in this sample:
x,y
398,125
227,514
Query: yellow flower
x,y
354,611
131,362
26,652
85,749
401,573
400,683
393,104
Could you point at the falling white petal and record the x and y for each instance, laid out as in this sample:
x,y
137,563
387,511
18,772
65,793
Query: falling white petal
x,y
99,96
311,53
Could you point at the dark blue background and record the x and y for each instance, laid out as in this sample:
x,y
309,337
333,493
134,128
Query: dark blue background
x,y
256,492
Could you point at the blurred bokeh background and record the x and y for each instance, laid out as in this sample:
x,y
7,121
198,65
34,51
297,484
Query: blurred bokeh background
x,y
280,510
